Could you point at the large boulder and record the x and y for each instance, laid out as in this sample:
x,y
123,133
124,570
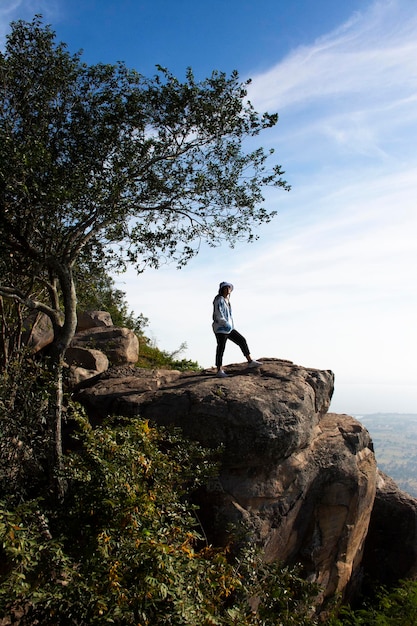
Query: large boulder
x,y
93,319
300,480
120,345
95,345
391,544
37,332
84,364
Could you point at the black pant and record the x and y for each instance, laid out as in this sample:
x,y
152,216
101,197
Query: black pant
x,y
221,344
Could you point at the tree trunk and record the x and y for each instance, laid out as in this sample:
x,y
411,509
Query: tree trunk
x,y
56,480
63,338
4,348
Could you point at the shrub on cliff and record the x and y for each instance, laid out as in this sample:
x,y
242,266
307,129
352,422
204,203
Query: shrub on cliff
x,y
150,356
390,607
25,440
125,546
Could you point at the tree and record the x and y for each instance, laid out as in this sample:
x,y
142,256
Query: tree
x,y
100,166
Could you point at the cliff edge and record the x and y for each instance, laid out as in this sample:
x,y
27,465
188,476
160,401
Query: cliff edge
x,y
303,481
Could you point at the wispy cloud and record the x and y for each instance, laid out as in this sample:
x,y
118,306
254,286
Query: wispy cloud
x,y
11,10
351,93
367,57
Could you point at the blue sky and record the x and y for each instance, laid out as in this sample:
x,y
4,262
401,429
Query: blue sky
x,y
331,283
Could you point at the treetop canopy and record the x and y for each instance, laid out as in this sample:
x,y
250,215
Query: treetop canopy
x,y
99,160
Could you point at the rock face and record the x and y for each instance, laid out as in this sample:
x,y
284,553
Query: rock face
x,y
96,344
93,319
302,480
119,344
391,544
85,363
38,331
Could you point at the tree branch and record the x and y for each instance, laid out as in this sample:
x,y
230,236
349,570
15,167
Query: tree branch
x,y
13,293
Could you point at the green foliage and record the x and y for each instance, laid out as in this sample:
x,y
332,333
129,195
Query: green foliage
x,y
279,594
33,562
124,547
102,167
391,607
150,356
25,442
10,329
126,551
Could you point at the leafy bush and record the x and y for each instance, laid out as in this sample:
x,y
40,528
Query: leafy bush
x,y
150,356
124,547
391,607
25,443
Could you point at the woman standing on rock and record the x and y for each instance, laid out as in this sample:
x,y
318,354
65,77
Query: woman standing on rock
x,y
224,329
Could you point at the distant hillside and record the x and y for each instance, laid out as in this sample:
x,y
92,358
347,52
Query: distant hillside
x,y
395,442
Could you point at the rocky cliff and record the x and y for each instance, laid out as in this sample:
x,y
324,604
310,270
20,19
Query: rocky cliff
x,y
304,481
